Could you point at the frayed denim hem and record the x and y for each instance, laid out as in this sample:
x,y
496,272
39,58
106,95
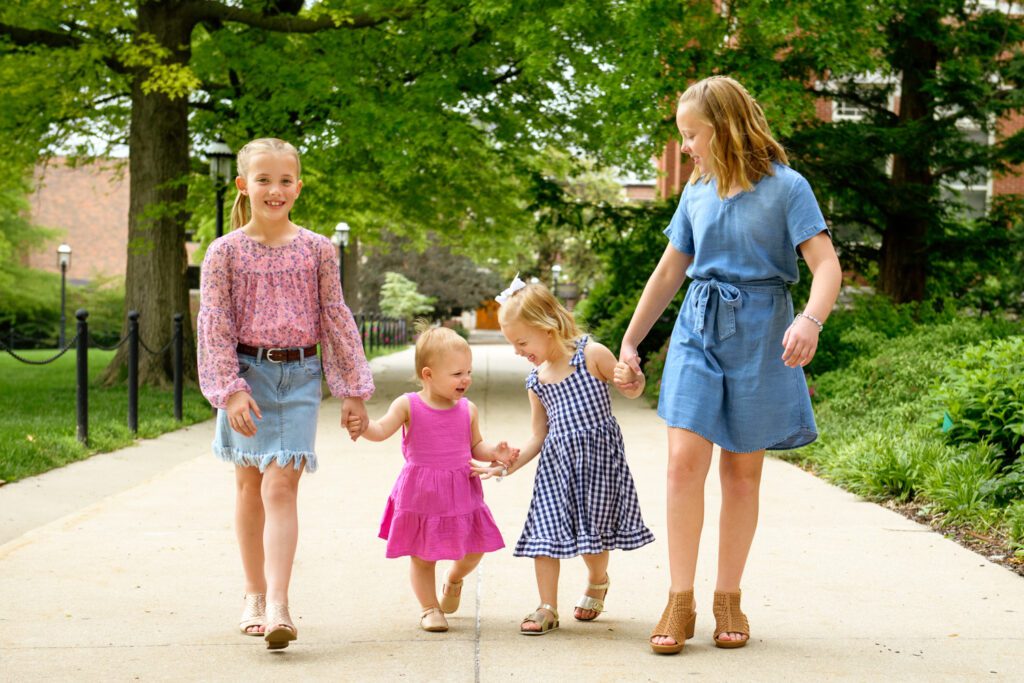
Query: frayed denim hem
x,y
263,460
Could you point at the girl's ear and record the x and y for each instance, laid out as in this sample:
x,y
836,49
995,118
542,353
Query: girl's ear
x,y
240,183
426,374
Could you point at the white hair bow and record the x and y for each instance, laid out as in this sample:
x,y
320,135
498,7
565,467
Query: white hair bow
x,y
516,285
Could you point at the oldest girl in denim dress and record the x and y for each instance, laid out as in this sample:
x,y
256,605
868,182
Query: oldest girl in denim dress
x,y
733,375
270,293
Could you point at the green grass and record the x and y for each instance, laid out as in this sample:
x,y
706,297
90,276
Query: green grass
x,y
37,412
37,423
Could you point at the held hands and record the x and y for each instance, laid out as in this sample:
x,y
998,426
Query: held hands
x,y
800,342
505,454
628,374
495,469
354,417
240,408
626,378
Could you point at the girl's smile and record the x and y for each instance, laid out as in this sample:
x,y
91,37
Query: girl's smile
x,y
531,343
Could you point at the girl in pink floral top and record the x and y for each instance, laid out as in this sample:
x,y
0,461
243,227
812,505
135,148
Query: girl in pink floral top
x,y
270,293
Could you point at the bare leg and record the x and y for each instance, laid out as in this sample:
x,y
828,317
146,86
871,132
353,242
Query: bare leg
x,y
741,484
547,569
281,532
249,518
597,573
689,459
462,567
423,579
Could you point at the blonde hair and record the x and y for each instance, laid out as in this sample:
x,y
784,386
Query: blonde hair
x,y
240,212
535,306
742,147
433,343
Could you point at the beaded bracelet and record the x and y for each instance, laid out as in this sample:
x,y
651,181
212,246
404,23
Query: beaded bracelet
x,y
814,320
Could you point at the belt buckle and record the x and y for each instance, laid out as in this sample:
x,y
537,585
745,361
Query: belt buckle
x,y
270,355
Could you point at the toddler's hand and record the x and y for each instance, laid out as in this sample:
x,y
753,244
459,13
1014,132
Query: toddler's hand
x,y
625,377
353,407
505,454
486,471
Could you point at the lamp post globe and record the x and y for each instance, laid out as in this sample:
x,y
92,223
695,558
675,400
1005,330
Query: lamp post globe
x,y
220,157
63,262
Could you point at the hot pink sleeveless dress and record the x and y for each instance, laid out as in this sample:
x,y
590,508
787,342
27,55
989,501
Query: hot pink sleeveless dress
x,y
436,511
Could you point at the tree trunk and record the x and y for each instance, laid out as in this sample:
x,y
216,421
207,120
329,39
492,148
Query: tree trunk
x,y
903,270
155,279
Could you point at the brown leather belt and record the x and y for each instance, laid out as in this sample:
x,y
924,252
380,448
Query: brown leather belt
x,y
278,355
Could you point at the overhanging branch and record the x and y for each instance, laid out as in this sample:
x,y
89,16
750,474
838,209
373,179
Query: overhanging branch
x,y
210,10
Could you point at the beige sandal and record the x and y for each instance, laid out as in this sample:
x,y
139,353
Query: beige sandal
x,y
677,622
253,614
432,619
593,604
280,628
547,623
449,601
729,619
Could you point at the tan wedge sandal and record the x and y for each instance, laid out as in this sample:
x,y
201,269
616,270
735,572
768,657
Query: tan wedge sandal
x,y
547,624
432,619
253,613
450,601
280,628
677,622
729,619
593,604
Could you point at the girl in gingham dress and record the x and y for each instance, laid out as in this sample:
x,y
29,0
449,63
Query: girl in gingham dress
x,y
584,501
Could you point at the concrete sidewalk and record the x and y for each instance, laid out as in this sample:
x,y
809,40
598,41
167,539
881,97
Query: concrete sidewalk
x,y
139,578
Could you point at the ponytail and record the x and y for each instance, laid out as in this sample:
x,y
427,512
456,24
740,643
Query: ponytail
x,y
240,211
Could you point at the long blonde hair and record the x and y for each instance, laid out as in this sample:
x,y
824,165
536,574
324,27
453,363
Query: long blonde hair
x,y
535,306
742,147
240,211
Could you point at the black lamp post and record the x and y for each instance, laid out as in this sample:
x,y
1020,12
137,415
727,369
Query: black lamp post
x,y
220,156
556,272
64,262
340,240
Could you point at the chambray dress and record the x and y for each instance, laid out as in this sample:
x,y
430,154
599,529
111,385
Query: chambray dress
x,y
724,377
584,499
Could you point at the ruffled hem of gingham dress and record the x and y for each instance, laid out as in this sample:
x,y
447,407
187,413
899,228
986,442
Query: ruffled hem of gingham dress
x,y
584,499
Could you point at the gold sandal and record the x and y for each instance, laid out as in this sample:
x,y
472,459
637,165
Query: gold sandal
x,y
280,628
432,619
449,602
729,619
547,623
253,614
677,622
593,604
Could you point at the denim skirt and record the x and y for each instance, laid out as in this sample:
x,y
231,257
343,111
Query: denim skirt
x,y
724,377
288,395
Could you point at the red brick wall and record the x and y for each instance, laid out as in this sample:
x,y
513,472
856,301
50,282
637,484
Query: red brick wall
x,y
1013,182
89,205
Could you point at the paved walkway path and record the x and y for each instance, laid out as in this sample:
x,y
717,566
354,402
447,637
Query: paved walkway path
x,y
124,567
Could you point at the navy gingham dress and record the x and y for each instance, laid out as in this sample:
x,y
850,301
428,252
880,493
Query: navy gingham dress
x,y
584,500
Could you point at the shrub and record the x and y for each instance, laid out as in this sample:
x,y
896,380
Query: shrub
x,y
983,393
957,484
1013,519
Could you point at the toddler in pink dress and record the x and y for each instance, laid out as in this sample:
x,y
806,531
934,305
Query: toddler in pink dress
x,y
436,510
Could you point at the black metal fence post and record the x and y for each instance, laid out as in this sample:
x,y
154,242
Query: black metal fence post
x,y
178,365
133,371
82,366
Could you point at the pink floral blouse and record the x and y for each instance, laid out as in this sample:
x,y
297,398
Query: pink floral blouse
x,y
275,297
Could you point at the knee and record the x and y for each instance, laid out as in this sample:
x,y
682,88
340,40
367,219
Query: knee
x,y
249,491
279,493
685,472
740,483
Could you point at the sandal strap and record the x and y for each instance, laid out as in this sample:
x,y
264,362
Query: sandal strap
x,y
254,611
536,613
729,618
678,612
589,603
277,615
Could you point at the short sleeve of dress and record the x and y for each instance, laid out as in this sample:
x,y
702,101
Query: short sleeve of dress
x,y
803,215
532,381
680,230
